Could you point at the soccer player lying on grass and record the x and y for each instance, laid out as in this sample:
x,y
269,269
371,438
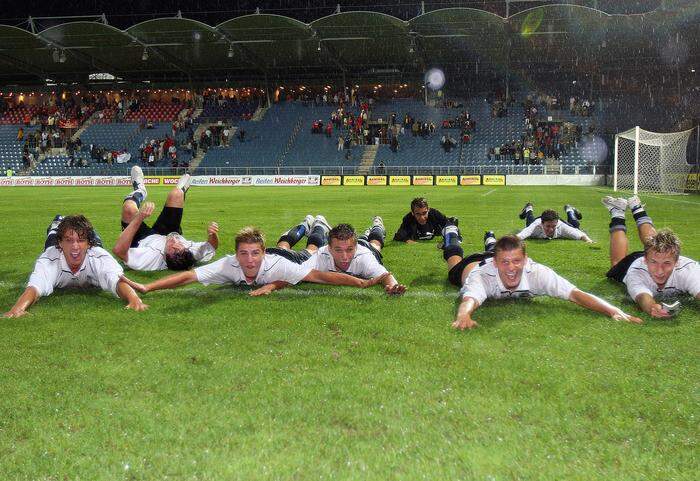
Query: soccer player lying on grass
x,y
74,257
659,273
144,248
504,271
550,226
340,250
253,266
422,223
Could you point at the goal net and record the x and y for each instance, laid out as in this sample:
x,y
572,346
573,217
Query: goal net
x,y
651,161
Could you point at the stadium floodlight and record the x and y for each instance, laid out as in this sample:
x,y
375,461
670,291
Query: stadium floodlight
x,y
651,161
144,55
62,57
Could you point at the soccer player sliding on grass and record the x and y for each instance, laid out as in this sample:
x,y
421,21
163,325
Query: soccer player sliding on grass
x,y
73,257
422,223
504,271
656,276
550,226
253,266
144,248
340,250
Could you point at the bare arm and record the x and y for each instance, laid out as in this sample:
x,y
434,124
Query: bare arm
x,y
647,304
465,310
268,288
593,303
587,239
213,235
121,248
126,292
169,282
340,279
28,297
392,286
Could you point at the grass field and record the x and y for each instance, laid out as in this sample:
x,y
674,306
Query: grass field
x,y
320,382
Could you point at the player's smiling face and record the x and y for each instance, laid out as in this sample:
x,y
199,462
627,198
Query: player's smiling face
x,y
421,214
250,257
549,227
510,265
342,252
660,265
74,249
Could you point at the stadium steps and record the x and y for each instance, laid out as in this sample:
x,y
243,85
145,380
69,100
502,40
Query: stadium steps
x,y
290,142
367,161
259,114
196,113
84,127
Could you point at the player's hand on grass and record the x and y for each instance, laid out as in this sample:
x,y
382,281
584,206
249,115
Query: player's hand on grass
x,y
659,312
15,313
365,283
263,291
463,323
621,316
137,305
146,210
213,229
395,290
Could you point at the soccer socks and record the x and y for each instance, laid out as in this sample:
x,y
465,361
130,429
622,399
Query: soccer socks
x,y
571,216
452,242
138,196
489,241
640,215
318,236
375,233
293,235
529,216
617,222
52,232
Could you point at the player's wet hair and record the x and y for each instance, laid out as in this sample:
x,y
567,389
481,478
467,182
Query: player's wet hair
x,y
80,225
509,243
664,241
549,215
182,260
342,232
250,235
418,203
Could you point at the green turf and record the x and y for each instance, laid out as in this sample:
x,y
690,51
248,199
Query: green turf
x,y
319,382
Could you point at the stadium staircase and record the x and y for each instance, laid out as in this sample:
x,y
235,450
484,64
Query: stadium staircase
x,y
91,120
259,113
367,159
290,142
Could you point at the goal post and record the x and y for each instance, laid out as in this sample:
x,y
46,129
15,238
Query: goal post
x,y
650,161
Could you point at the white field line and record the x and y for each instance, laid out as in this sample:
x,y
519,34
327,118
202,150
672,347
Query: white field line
x,y
674,200
487,193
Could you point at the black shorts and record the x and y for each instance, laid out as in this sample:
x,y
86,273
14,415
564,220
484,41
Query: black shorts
x,y
619,270
455,274
377,255
168,221
298,257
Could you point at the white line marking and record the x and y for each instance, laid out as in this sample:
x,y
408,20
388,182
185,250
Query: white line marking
x,y
674,200
487,193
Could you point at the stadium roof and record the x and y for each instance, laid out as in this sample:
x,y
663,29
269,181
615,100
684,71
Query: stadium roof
x,y
562,40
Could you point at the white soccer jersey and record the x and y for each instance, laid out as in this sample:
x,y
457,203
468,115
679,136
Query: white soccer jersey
x,y
150,253
51,271
537,280
274,268
561,231
685,279
363,265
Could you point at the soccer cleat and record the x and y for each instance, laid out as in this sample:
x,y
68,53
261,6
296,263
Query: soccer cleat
x,y
489,234
184,182
320,220
634,202
308,222
523,212
137,180
614,203
453,221
377,222
54,223
449,229
576,212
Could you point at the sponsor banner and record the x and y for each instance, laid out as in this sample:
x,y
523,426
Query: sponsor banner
x,y
331,180
692,182
353,180
208,180
494,180
469,180
400,180
422,180
80,181
286,180
446,180
151,180
376,180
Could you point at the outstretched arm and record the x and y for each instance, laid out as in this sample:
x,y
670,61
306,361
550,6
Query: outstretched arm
x,y
465,310
126,292
392,286
121,248
28,297
647,303
596,304
169,282
340,279
268,288
213,235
